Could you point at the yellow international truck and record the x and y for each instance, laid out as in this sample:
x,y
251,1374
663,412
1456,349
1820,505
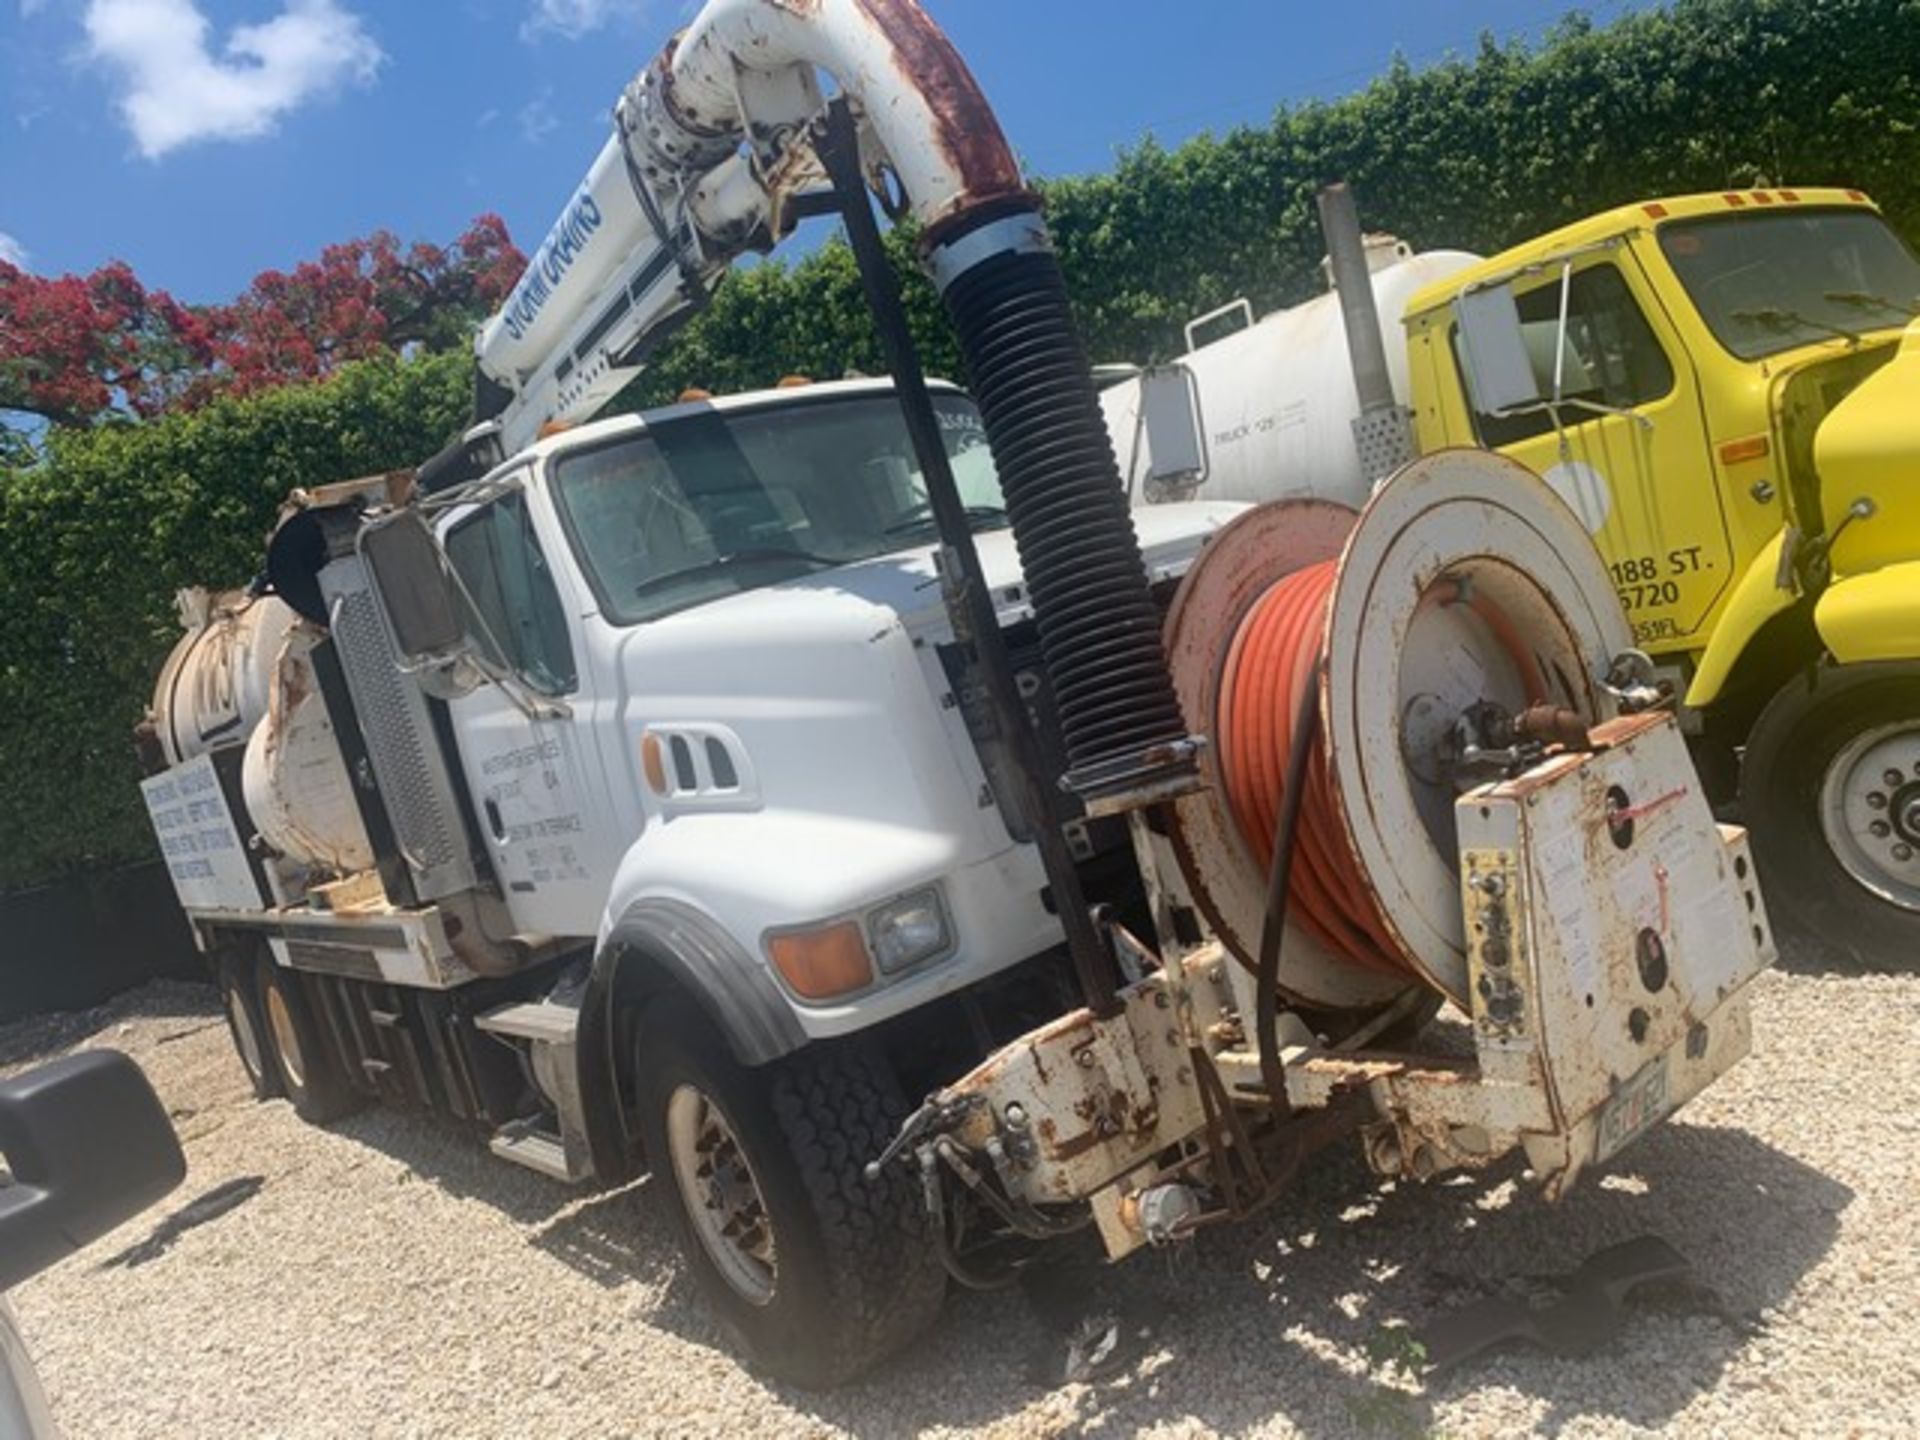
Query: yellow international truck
x,y
1726,388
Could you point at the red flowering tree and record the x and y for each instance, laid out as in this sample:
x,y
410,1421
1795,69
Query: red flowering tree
x,y
74,348
77,349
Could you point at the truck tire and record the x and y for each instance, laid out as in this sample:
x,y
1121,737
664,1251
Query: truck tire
x,y
309,1067
1830,792
238,974
815,1272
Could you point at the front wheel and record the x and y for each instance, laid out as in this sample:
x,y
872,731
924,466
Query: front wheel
x,y
1830,791
816,1272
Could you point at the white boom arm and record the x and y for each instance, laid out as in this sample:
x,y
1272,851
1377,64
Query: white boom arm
x,y
711,139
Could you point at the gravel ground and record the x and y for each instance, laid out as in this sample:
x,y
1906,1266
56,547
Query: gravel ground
x,y
391,1279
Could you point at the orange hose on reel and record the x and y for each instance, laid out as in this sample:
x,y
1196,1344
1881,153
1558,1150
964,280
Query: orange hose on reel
x,y
1274,654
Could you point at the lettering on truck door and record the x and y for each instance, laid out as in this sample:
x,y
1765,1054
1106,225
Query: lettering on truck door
x,y
531,779
1642,480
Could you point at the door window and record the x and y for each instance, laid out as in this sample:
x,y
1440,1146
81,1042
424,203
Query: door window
x,y
519,621
1612,357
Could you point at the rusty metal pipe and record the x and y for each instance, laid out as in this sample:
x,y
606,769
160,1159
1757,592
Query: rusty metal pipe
x,y
731,76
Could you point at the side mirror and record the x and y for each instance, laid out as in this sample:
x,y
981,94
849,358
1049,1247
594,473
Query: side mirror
x,y
1176,442
1493,350
421,600
89,1147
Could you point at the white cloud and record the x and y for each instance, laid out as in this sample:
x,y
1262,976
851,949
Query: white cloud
x,y
537,120
12,252
178,90
569,18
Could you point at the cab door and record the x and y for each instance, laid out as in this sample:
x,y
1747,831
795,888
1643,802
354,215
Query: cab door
x,y
1626,444
530,767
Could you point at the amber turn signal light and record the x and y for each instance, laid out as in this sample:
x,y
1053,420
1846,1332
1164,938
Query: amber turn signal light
x,y
820,964
652,765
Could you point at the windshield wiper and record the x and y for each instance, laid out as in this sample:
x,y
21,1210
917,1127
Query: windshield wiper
x,y
921,515
1772,317
1867,300
751,556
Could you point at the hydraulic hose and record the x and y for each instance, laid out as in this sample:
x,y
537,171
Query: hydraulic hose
x,y
1266,1005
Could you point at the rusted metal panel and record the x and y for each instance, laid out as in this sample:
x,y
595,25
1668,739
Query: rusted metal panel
x,y
1103,1095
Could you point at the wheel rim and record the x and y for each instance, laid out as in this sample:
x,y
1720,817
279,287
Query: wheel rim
x,y
285,1040
1870,811
245,1035
721,1194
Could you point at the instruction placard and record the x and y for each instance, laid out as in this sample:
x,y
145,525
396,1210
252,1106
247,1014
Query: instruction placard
x,y
198,839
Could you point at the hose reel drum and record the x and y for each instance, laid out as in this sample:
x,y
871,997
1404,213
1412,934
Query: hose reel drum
x,y
1462,615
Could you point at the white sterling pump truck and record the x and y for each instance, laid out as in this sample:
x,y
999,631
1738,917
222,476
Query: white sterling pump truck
x,y
697,791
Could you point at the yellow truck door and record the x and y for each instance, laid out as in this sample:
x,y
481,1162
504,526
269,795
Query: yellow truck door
x,y
1626,445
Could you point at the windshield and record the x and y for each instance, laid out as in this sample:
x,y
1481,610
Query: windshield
x,y
712,503
1768,282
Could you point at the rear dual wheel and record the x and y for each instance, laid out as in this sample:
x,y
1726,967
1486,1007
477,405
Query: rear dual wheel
x,y
246,1024
301,1058
1830,792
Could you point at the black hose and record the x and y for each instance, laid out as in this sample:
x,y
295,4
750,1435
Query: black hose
x,y
1266,992
1099,627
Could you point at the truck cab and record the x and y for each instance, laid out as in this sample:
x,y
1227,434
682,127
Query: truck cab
x,y
719,680
1721,386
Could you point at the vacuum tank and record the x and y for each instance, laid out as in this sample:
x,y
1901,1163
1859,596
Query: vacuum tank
x,y
1279,398
240,686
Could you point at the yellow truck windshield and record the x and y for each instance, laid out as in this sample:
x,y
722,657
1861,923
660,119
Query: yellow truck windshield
x,y
1767,281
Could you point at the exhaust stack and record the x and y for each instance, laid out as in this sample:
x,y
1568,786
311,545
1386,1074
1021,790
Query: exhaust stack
x,y
1383,430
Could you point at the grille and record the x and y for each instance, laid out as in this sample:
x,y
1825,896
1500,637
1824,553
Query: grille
x,y
407,763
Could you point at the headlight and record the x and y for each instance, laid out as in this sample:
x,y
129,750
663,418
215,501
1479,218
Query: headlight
x,y
908,930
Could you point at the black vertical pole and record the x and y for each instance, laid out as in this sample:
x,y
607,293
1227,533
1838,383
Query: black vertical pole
x,y
969,602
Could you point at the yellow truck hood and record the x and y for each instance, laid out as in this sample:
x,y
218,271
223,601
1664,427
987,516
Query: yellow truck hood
x,y
1868,448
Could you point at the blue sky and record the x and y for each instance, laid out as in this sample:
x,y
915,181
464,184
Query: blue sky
x,y
205,140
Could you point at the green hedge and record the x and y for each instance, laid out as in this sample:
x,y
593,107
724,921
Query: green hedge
x,y
1475,153
95,541
1478,152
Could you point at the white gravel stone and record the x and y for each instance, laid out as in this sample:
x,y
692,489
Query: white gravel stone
x,y
391,1279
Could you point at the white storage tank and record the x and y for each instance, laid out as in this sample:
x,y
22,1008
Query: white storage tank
x,y
1277,398
242,676
214,688
294,778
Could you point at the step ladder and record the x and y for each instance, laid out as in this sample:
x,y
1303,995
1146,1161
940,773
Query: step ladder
x,y
554,1144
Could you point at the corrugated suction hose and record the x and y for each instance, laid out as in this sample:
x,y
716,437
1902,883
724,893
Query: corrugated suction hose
x,y
1099,627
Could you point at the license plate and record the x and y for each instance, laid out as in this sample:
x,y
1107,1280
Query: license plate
x,y
1637,1108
